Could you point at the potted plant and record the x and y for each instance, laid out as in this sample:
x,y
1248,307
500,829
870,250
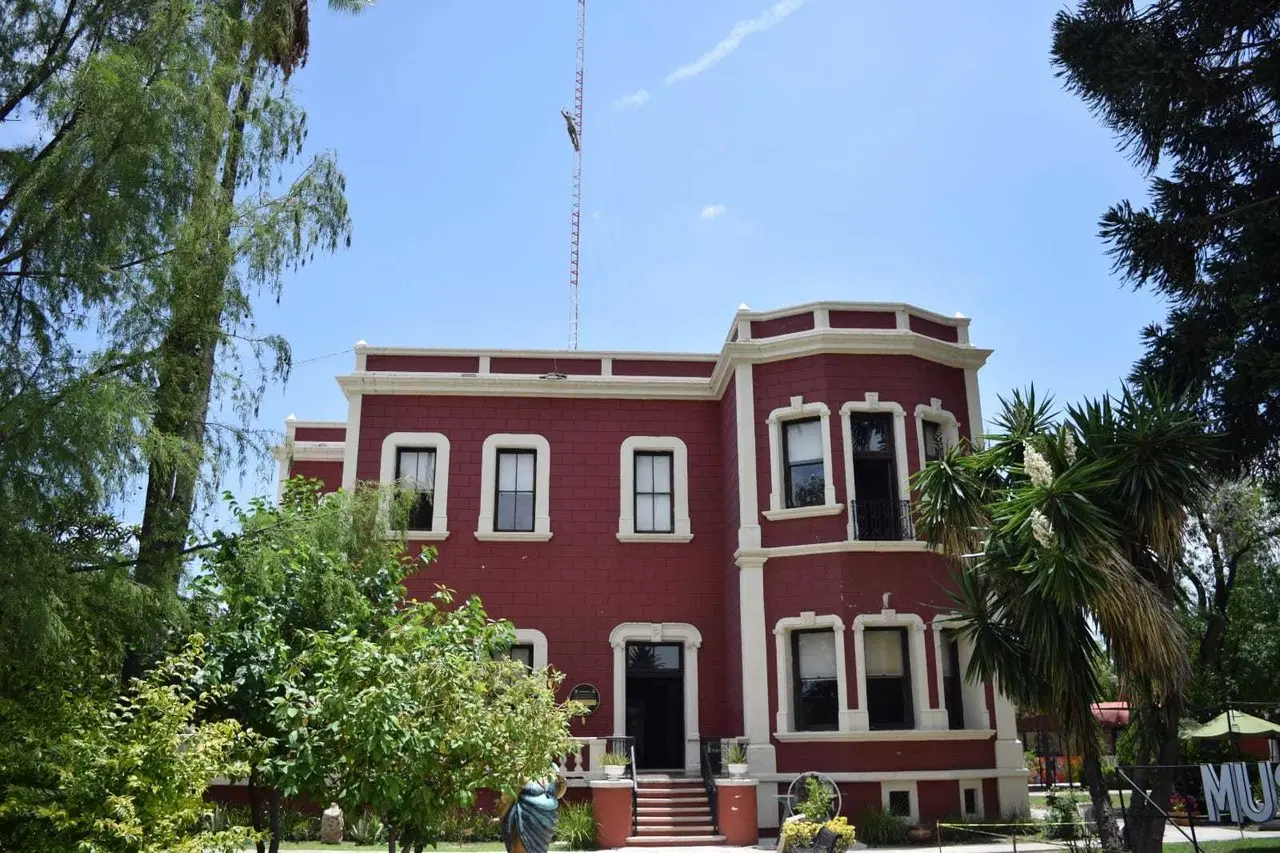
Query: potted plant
x,y
919,834
735,760
1181,808
614,764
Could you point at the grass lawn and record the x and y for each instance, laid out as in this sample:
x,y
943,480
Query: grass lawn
x,y
1253,845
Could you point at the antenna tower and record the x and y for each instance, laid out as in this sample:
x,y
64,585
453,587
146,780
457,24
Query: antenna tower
x,y
575,218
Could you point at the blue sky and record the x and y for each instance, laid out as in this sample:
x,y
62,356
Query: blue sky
x,y
917,152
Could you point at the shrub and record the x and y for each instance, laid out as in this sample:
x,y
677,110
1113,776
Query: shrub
x,y
800,833
1063,818
576,826
614,759
469,825
735,754
816,805
367,828
299,826
879,828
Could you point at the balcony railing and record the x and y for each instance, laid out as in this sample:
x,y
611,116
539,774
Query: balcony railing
x,y
882,521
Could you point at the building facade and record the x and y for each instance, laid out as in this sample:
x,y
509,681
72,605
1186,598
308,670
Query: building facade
x,y
720,543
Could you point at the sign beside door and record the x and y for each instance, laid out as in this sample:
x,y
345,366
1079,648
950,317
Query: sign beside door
x,y
586,694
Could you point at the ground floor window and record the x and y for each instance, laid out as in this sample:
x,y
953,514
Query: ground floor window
x,y
888,679
815,680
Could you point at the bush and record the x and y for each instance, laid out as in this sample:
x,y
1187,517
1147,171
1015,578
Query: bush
x,y
576,826
367,828
469,825
800,833
879,828
299,826
1063,818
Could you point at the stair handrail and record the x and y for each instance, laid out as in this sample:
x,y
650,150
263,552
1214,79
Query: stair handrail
x,y
635,789
709,783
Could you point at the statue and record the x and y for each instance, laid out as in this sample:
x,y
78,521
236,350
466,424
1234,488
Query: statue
x,y
529,819
573,129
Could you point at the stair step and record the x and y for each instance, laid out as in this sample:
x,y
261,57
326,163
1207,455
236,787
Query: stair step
x,y
672,792
673,819
672,810
691,829
691,802
675,840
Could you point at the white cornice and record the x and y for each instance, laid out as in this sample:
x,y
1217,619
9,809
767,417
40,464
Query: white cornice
x,y
874,307
891,546
567,355
319,424
890,735
310,451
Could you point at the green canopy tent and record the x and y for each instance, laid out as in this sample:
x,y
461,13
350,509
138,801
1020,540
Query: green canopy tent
x,y
1233,724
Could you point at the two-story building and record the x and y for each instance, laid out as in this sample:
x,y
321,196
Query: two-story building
x,y
720,542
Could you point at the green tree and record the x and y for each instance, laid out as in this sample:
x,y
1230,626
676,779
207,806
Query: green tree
x,y
124,775
1067,538
314,565
413,722
1190,89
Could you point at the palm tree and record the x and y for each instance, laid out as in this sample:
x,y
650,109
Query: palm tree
x,y
1067,537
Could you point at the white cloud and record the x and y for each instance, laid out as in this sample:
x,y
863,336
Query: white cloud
x,y
766,20
633,101
711,211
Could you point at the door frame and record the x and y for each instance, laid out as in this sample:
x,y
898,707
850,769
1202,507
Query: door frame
x,y
659,632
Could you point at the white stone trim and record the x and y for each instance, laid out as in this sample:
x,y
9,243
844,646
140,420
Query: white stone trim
x,y
926,717
778,418
808,621
744,411
803,512
440,488
889,546
537,639
973,696
908,785
1012,787
682,529
905,775
351,447
659,632
977,785
934,412
887,735
310,451
974,402
488,486
871,403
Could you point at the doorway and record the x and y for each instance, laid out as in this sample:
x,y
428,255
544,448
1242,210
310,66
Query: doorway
x,y
655,704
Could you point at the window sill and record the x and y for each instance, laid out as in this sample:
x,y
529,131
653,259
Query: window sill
x,y
888,735
804,512
426,535
493,536
670,538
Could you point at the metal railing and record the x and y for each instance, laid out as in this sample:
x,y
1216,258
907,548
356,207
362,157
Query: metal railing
x,y
709,760
881,520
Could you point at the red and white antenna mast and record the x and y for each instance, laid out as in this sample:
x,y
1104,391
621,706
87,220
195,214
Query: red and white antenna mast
x,y
575,134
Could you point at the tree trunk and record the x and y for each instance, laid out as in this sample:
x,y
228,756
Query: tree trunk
x,y
273,804
1104,817
391,838
255,810
1145,820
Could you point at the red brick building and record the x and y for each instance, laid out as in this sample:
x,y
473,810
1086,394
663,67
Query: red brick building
x,y
721,543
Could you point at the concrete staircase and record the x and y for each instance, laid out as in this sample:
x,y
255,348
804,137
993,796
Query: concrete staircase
x,y
673,811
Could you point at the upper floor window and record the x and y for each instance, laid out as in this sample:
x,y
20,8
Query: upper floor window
x,y
805,470
653,497
419,461
800,461
517,491
934,444
888,678
814,680
936,431
515,486
952,681
416,471
655,492
877,512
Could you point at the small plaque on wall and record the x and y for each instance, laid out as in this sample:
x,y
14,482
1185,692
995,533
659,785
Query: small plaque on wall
x,y
588,695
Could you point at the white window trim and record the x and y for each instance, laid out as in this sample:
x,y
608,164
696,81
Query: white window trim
x,y
973,696
976,784
537,639
659,632
488,486
872,403
926,717
905,785
940,416
440,489
799,410
808,621
683,530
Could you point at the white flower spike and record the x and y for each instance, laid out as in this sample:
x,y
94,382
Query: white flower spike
x,y
1042,530
1037,467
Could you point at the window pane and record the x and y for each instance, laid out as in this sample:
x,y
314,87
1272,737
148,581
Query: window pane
x,y
644,513
807,485
933,442
883,652
661,472
523,653
506,516
871,433
887,703
525,463
804,440
900,803
970,801
417,468
421,513
644,472
506,471
816,654
817,705
524,511
662,513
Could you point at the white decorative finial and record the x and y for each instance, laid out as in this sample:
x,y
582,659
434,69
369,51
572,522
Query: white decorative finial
x,y
884,600
360,344
960,316
742,306
291,418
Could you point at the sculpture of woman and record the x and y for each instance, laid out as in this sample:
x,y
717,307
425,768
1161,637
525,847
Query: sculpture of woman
x,y
529,819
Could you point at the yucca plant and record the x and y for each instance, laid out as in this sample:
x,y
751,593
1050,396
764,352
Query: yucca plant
x,y
1066,536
